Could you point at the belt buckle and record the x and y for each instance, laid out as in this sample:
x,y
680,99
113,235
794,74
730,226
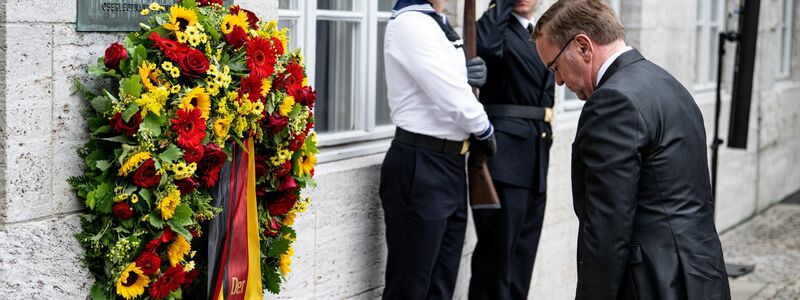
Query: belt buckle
x,y
464,147
548,114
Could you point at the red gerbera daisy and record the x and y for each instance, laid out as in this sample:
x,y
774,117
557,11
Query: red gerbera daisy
x,y
167,283
283,204
190,127
172,49
148,262
260,57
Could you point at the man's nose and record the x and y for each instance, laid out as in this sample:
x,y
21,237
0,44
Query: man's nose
x,y
559,80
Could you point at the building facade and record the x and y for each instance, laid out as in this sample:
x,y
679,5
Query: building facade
x,y
340,251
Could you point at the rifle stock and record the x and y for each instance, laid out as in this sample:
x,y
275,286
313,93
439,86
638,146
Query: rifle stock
x,y
482,194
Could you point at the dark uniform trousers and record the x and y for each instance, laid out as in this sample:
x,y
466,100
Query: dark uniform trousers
x,y
424,198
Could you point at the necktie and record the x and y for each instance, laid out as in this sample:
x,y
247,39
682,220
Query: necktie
x,y
530,28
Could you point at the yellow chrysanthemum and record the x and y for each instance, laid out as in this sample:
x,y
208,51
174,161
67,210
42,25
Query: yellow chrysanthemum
x,y
133,162
197,97
180,17
134,198
155,6
153,101
145,12
221,127
286,261
183,170
168,204
131,282
230,21
286,106
177,250
306,164
305,81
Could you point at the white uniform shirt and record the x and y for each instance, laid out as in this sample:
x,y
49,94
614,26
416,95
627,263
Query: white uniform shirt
x,y
608,62
427,80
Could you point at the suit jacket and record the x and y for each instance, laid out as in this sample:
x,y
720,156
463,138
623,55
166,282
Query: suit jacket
x,y
516,75
641,190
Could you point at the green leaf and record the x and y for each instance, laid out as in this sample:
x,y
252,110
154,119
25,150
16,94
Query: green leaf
x,y
139,56
128,113
93,157
153,123
155,221
273,279
189,3
102,165
101,104
182,216
101,198
131,86
119,139
180,230
98,291
279,247
102,129
127,223
171,154
145,193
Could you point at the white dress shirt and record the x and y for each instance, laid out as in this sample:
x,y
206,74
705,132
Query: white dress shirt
x,y
427,84
522,20
608,62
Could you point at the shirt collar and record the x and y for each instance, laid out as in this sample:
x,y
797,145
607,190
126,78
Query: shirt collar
x,y
609,61
522,20
423,8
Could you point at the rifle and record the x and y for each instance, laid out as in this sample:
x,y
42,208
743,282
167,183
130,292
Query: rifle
x,y
482,194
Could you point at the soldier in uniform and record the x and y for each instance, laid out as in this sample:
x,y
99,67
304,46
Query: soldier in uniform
x,y
517,96
423,186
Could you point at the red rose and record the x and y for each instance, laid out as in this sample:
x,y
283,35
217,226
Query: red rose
x,y
193,63
152,245
261,190
212,162
297,142
114,54
122,210
149,262
305,96
129,128
146,176
167,235
236,38
193,154
276,123
287,183
284,169
272,228
282,205
186,185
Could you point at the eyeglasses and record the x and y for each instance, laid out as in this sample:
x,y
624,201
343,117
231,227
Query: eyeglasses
x,y
550,65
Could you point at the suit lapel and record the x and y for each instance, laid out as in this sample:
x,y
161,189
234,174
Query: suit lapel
x,y
622,61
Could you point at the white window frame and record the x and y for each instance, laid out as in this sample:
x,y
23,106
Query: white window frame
x,y
367,138
785,31
708,37
570,107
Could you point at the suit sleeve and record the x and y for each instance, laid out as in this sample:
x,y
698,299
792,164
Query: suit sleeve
x,y
609,142
490,28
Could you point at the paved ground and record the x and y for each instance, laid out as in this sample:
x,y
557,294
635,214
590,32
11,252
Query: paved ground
x,y
771,241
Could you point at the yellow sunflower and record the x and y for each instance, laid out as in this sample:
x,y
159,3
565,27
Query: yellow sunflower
x,y
177,250
133,162
149,75
266,85
286,106
221,127
197,97
306,164
131,282
169,203
180,17
230,21
286,261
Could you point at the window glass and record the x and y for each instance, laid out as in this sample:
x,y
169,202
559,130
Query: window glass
x,y
335,80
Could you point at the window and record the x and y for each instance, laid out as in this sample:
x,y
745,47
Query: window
x,y
710,22
785,49
566,100
342,42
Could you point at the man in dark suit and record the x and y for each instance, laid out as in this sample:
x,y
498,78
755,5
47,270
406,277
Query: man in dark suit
x,y
639,169
517,96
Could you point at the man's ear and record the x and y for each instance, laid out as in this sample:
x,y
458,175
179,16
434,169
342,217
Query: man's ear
x,y
585,46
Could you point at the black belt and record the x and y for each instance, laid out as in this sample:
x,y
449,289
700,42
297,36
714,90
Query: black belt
x,y
519,111
431,143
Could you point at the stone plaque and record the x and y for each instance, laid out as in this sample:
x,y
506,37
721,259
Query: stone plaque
x,y
116,15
